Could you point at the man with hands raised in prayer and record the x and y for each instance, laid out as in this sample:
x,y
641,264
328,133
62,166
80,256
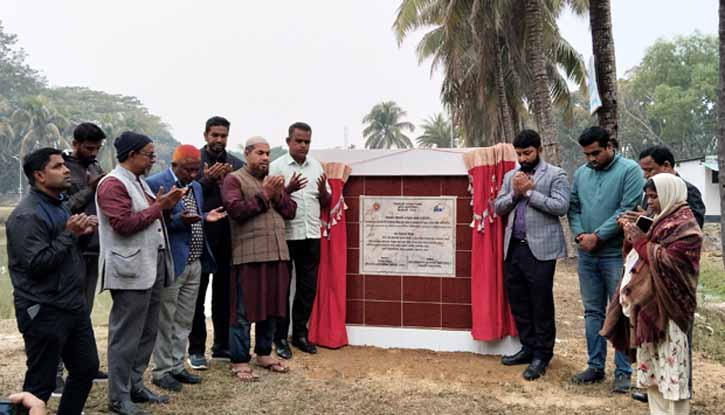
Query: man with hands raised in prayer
x,y
302,233
135,264
47,271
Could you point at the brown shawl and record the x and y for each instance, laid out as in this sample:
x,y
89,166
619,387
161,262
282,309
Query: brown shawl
x,y
663,284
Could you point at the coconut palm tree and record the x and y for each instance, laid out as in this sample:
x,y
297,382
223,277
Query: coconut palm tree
x,y
39,125
721,121
481,47
437,133
600,20
385,127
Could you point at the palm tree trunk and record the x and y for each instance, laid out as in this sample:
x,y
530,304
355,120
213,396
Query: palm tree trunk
x,y
721,120
537,61
600,20
501,98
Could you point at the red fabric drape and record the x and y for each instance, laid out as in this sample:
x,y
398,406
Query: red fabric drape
x,y
327,322
491,313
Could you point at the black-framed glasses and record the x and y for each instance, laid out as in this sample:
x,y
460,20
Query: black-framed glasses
x,y
151,156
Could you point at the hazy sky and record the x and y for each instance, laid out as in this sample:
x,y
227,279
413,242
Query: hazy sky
x,y
266,64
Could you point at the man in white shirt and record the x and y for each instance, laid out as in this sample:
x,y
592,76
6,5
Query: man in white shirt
x,y
302,233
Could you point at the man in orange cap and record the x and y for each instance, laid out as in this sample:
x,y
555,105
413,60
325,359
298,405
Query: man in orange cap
x,y
191,256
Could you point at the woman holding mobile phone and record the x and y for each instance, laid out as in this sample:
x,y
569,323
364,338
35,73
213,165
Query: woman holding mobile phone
x,y
654,306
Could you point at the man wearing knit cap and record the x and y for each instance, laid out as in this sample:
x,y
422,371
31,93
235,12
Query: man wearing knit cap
x,y
134,264
258,205
191,254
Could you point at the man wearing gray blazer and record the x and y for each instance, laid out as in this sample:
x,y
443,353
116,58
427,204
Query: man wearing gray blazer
x,y
534,196
135,265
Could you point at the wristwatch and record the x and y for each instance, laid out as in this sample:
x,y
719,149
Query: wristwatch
x,y
528,193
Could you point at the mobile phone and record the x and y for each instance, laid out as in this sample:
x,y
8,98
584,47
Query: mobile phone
x,y
9,408
644,223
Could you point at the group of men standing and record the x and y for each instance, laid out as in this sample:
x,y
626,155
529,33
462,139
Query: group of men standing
x,y
535,196
155,241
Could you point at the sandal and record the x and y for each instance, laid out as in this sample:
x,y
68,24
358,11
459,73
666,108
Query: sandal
x,y
274,367
245,374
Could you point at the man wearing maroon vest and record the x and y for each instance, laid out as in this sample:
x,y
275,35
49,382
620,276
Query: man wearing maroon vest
x,y
257,205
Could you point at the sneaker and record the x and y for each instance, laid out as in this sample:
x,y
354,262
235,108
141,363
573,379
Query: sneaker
x,y
224,355
621,383
588,377
101,377
198,362
59,385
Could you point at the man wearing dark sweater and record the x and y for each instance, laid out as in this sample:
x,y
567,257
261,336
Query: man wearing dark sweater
x,y
46,269
215,164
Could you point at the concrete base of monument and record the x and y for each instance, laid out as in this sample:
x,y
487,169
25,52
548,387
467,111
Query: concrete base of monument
x,y
438,340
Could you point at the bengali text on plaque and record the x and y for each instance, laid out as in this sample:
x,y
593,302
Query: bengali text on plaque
x,y
408,235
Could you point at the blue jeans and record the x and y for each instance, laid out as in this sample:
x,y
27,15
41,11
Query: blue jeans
x,y
598,280
239,333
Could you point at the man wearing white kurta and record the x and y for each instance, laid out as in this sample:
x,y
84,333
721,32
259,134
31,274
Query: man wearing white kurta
x,y
302,233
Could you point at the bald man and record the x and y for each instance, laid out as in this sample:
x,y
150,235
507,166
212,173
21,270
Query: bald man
x,y
258,205
192,256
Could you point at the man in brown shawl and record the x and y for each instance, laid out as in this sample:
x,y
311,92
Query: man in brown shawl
x,y
258,206
654,306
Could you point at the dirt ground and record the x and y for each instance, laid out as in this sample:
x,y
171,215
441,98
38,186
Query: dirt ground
x,y
366,380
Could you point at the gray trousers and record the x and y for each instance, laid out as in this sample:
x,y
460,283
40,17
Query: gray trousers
x,y
132,326
178,302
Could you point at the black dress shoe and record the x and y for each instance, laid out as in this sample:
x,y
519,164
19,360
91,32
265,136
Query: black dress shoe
x,y
125,408
303,344
589,376
640,395
168,382
535,370
282,348
147,395
522,357
185,377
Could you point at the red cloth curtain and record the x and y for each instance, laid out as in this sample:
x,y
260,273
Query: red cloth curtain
x,y
491,313
327,322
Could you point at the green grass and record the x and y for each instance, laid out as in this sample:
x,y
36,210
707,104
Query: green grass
x,y
712,278
4,213
709,332
101,307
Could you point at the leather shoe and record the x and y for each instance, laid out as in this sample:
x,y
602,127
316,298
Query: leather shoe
x,y
283,350
167,382
535,370
588,377
125,408
185,377
522,357
147,395
640,395
303,344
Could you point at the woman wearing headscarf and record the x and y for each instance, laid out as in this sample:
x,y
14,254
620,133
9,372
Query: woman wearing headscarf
x,y
654,305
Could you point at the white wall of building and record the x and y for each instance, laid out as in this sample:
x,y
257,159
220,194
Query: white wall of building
x,y
699,175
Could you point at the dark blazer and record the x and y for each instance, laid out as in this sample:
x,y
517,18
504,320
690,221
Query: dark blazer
x,y
179,233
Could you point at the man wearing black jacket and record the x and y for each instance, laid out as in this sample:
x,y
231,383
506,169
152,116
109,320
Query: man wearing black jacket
x,y
659,159
46,269
215,163
85,173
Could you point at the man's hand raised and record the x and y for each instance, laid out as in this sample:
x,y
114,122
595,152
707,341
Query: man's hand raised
x,y
296,182
81,224
273,186
167,201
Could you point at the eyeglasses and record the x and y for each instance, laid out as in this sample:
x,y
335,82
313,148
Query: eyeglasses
x,y
151,156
